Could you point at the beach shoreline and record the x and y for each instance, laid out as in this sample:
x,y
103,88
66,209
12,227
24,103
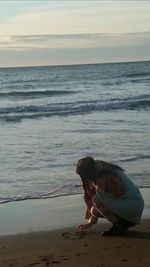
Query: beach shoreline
x,y
42,233
39,215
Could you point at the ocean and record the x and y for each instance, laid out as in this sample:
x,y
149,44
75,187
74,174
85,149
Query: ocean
x,y
52,116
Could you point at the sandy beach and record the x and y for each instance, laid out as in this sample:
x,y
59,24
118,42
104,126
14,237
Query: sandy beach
x,y
59,245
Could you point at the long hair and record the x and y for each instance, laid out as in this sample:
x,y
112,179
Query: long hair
x,y
86,168
88,191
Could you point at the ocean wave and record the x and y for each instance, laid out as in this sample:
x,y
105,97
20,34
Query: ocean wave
x,y
34,94
135,158
66,190
137,74
23,198
18,113
53,195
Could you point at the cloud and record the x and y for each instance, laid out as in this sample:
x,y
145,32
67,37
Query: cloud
x,y
69,41
78,17
64,32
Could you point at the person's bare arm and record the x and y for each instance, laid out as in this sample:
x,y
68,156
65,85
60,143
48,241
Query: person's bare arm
x,y
89,192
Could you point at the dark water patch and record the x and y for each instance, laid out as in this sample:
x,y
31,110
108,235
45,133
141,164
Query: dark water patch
x,y
34,94
114,82
137,74
140,81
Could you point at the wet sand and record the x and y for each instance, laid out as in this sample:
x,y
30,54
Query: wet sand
x,y
65,248
54,242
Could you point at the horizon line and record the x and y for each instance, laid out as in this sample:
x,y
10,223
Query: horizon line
x,y
75,64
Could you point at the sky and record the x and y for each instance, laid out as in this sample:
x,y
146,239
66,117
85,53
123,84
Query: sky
x,y
39,33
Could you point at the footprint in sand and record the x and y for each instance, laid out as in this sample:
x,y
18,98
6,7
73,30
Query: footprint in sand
x,y
34,263
64,258
73,236
51,260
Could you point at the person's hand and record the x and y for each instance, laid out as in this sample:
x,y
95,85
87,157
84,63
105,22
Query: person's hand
x,y
83,227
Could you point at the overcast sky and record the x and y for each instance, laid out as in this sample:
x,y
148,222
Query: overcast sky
x,y
73,32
